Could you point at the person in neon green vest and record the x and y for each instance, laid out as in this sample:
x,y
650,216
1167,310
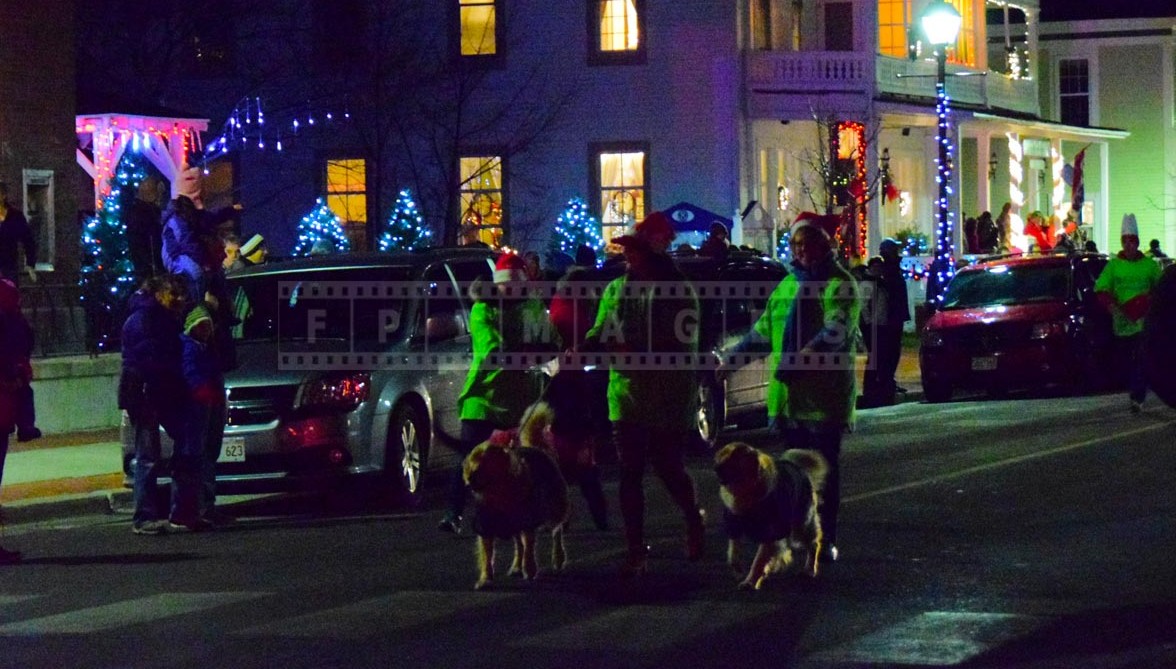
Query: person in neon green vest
x,y
1125,288
652,308
809,331
504,319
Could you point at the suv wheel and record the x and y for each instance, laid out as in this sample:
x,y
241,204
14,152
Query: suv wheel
x,y
405,456
936,391
710,412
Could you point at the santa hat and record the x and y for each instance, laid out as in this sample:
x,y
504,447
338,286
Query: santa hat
x,y
510,267
655,225
1130,227
827,224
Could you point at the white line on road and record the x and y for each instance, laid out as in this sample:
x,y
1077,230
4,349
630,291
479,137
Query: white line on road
x,y
130,612
1001,463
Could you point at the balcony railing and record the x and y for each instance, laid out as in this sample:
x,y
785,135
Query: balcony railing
x,y
772,73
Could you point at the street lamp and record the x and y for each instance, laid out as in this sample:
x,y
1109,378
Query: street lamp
x,y
941,24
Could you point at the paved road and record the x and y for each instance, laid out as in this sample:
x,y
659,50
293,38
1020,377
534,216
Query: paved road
x,y
1032,532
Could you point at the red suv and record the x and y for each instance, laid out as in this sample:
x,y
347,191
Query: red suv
x,y
1019,321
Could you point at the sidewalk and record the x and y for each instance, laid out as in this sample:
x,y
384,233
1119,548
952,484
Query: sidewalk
x,y
81,472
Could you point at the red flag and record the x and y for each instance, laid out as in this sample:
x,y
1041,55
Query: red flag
x,y
1079,191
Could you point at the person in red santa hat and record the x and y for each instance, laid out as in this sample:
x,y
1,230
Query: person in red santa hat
x,y
503,320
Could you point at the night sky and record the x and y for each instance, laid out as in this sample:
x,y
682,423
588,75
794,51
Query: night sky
x,y
1068,10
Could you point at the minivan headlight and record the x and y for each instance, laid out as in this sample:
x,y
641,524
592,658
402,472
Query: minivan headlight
x,y
339,392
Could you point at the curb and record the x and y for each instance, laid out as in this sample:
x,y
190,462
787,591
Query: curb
x,y
102,502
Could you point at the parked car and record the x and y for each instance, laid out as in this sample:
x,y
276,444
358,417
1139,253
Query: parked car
x,y
297,416
1020,321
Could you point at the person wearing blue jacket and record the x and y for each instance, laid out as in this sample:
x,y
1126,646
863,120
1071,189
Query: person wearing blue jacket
x,y
197,449
151,387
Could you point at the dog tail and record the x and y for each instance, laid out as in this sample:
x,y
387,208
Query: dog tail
x,y
536,420
811,462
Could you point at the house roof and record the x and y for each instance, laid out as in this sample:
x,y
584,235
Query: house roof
x,y
92,103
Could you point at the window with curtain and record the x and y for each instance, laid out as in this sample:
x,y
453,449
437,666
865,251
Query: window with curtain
x,y
1074,91
896,16
478,27
622,190
347,196
616,30
481,200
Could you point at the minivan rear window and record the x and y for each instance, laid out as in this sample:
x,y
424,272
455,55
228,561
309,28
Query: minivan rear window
x,y
1004,285
334,323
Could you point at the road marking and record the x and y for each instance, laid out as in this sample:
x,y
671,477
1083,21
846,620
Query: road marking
x,y
641,629
378,615
1000,463
936,638
130,612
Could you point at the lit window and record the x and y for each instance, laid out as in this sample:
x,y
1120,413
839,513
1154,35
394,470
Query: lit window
x,y
481,200
622,196
616,31
618,25
1074,91
964,51
347,196
479,25
893,18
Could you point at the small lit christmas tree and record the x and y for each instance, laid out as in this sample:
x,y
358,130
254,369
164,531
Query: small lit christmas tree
x,y
784,246
405,229
574,227
321,224
107,275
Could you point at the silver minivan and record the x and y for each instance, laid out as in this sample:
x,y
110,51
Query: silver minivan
x,y
347,365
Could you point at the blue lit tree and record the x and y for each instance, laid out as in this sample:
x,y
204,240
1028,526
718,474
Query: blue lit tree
x,y
107,274
405,229
575,227
319,225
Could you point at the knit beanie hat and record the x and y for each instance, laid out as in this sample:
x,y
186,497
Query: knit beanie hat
x,y
1130,227
198,314
510,267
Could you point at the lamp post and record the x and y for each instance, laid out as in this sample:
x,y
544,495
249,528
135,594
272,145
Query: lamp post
x,y
941,24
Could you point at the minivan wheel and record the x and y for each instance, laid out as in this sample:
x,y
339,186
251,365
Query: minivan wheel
x,y
405,456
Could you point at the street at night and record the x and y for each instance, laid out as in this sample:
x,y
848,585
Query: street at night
x,y
1028,532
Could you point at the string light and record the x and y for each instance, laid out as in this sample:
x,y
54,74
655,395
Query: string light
x,y
405,229
576,227
319,225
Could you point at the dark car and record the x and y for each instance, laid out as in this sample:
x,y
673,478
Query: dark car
x,y
1017,322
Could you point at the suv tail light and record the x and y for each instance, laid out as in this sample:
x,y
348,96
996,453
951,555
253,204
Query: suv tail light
x,y
341,392
1047,329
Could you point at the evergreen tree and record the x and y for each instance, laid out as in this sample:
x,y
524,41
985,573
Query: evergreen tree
x,y
107,275
405,229
319,225
575,226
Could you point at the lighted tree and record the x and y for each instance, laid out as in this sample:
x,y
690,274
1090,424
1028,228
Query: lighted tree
x,y
405,229
107,275
575,227
318,225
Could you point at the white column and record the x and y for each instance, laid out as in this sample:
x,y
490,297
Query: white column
x,y
1103,226
983,183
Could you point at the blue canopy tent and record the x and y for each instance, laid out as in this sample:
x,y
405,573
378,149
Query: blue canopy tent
x,y
693,223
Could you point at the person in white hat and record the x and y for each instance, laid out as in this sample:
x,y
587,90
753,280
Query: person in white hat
x,y
254,250
1124,288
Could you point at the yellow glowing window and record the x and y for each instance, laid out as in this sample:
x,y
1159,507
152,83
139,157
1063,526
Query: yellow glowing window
x,y
347,189
481,200
619,29
895,16
622,191
478,25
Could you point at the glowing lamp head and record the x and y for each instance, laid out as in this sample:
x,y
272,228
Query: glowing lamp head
x,y
941,23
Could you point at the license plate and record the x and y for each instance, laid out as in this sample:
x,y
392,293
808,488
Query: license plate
x,y
985,363
232,450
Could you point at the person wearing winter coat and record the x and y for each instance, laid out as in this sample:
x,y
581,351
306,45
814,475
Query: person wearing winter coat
x,y
652,308
151,387
197,450
810,328
15,374
1124,288
494,397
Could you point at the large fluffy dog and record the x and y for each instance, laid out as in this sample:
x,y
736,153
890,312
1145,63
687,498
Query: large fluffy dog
x,y
517,490
774,504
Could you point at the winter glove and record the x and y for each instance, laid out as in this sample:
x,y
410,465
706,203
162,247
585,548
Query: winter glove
x,y
1136,308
